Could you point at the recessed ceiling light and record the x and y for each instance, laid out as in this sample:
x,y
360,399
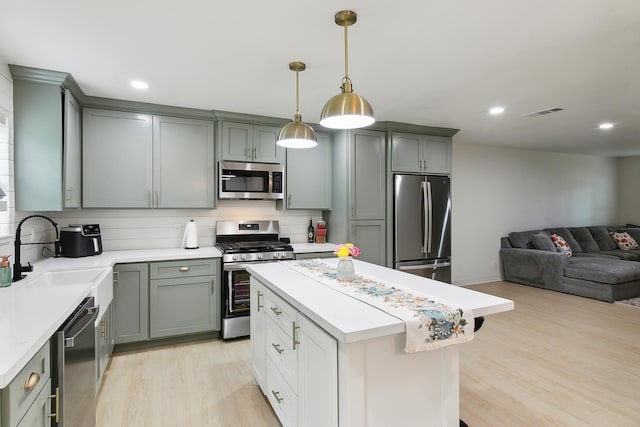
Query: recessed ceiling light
x,y
496,110
605,125
139,84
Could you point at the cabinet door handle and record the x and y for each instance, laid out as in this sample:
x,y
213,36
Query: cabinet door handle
x,y
103,329
32,380
259,305
289,200
276,394
213,287
254,153
116,276
276,311
294,333
247,153
279,349
184,268
57,398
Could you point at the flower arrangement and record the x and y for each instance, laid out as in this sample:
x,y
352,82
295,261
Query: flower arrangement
x,y
347,249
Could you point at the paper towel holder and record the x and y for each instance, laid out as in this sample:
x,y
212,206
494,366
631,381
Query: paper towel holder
x,y
190,239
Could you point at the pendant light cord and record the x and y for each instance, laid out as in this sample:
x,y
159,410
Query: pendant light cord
x,y
346,52
297,95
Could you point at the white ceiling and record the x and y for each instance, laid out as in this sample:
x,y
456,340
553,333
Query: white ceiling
x,y
428,62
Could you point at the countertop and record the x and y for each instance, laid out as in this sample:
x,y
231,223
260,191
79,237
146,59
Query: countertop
x,y
349,320
31,312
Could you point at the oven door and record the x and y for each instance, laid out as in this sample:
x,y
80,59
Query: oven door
x,y
236,295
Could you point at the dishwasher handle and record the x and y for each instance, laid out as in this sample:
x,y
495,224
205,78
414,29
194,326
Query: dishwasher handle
x,y
83,319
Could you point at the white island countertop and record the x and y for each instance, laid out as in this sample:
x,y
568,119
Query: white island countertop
x,y
349,320
309,248
31,311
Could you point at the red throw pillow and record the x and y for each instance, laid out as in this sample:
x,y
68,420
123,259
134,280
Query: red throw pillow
x,y
561,244
624,240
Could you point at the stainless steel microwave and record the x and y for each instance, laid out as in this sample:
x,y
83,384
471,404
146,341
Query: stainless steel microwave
x,y
245,180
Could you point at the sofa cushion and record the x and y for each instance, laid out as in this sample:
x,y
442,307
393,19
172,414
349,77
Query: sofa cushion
x,y
568,237
522,239
561,244
603,238
585,239
624,240
542,241
629,255
608,271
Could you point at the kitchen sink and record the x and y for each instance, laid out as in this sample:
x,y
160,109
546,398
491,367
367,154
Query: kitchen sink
x,y
101,278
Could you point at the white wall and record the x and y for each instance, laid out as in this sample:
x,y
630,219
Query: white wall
x,y
124,229
628,194
497,190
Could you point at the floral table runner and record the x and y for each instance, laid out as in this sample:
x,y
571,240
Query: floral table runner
x,y
430,323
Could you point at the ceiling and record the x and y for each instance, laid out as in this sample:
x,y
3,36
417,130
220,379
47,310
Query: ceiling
x,y
428,62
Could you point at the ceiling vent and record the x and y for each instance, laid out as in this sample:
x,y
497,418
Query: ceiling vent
x,y
543,112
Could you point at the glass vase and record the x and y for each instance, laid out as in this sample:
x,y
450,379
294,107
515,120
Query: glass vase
x,y
345,268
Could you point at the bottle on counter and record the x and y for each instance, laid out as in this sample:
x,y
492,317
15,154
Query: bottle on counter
x,y
5,272
311,232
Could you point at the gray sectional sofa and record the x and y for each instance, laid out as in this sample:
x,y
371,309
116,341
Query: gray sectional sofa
x,y
597,268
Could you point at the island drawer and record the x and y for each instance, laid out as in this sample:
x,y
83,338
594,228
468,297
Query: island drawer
x,y
283,400
281,351
25,387
283,314
184,268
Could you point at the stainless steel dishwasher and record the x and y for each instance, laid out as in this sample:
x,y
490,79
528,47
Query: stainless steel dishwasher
x,y
74,368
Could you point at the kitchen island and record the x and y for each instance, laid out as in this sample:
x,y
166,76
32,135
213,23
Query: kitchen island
x,y
324,358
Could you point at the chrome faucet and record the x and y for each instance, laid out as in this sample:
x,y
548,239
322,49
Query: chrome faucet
x,y
18,268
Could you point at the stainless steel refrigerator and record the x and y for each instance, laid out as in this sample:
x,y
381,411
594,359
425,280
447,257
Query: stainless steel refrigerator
x,y
422,226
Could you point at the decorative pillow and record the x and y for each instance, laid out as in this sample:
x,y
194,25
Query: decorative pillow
x,y
624,240
561,244
542,241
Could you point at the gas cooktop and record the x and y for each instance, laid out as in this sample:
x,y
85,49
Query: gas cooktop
x,y
256,246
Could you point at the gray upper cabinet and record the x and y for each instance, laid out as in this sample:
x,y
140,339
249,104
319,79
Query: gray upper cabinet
x,y
46,119
250,143
183,169
133,160
117,159
309,176
72,154
420,153
367,175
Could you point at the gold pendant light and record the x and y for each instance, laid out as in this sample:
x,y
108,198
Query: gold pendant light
x,y
347,110
297,134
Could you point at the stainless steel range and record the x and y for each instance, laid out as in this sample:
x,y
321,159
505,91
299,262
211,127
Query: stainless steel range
x,y
242,243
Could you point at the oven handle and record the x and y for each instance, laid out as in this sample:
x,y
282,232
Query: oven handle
x,y
230,293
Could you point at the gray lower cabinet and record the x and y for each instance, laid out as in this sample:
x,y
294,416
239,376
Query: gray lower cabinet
x,y
250,143
420,153
26,401
165,299
104,344
358,213
133,160
131,302
185,301
309,176
46,140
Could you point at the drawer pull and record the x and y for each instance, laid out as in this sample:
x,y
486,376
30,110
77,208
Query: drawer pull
x,y
259,305
184,268
278,348
276,394
294,334
276,311
31,381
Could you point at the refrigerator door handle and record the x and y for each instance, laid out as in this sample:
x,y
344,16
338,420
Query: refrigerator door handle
x,y
423,266
429,216
424,209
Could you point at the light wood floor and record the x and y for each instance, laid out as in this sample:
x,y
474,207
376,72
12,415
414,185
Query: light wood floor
x,y
557,360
